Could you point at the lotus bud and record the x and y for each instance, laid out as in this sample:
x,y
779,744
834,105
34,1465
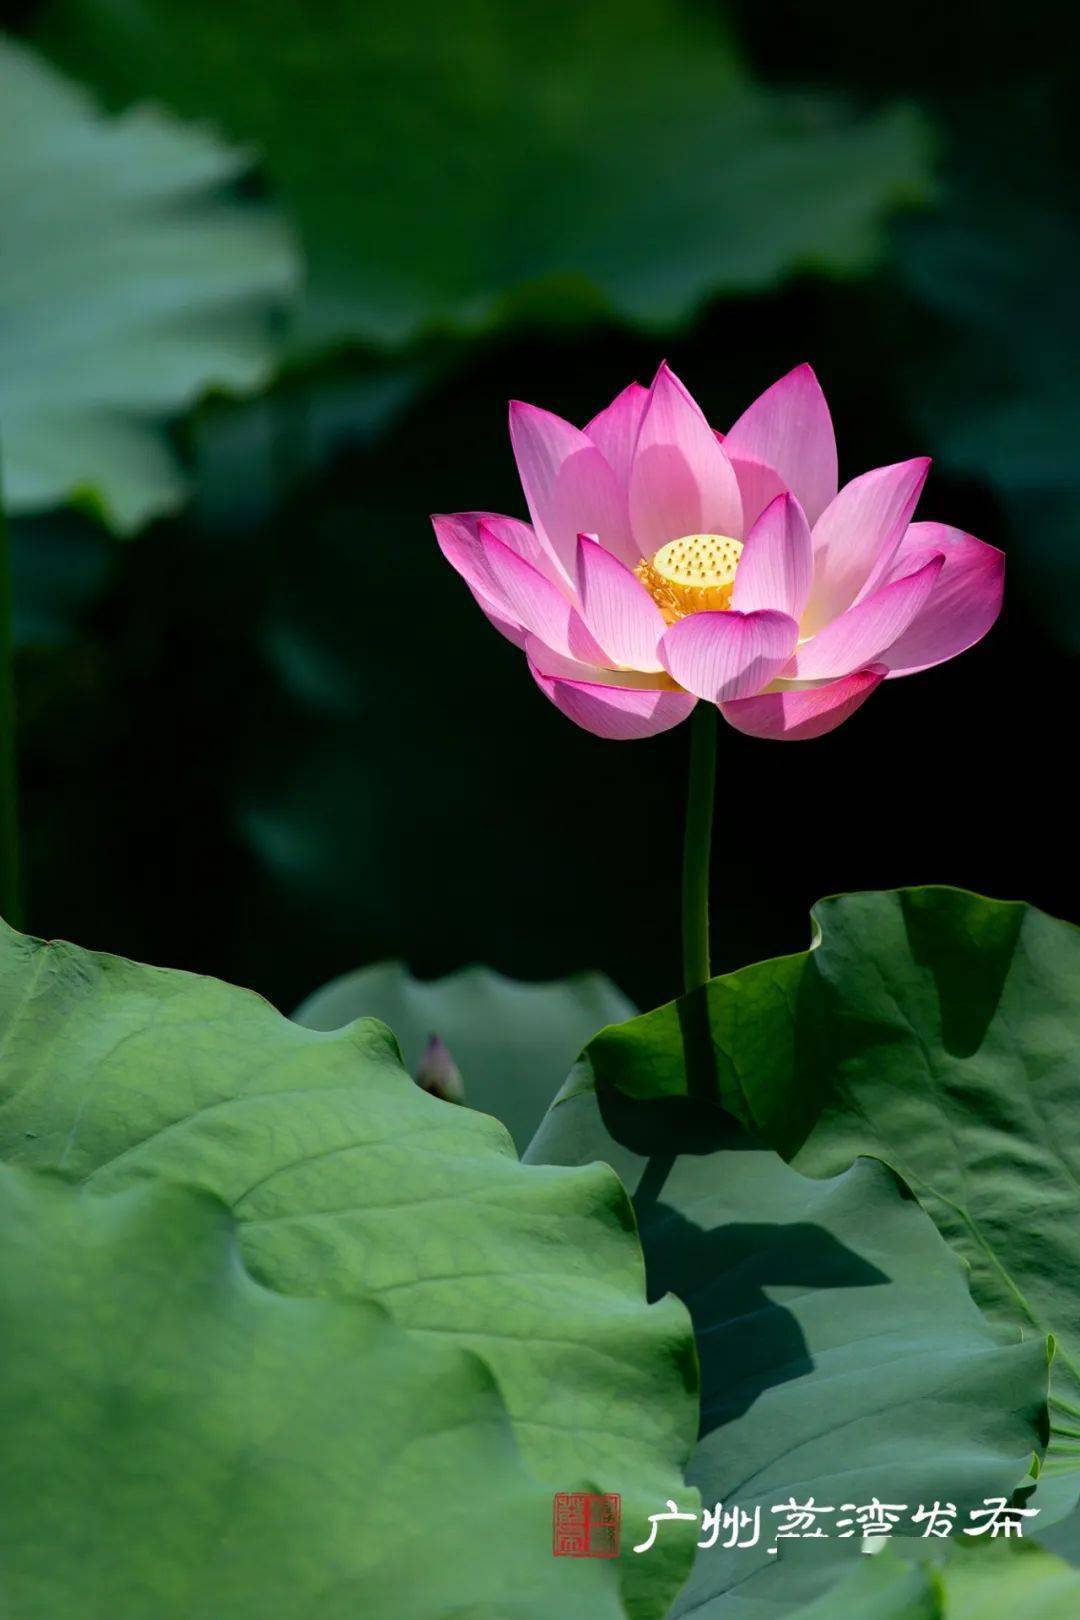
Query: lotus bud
x,y
437,1072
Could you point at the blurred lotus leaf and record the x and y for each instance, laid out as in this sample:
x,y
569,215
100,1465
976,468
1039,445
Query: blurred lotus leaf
x,y
1003,405
133,280
452,169
514,1043
1001,1580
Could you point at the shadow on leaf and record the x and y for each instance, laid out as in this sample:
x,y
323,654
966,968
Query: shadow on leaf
x,y
747,1341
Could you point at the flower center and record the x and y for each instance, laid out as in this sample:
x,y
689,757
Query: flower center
x,y
692,575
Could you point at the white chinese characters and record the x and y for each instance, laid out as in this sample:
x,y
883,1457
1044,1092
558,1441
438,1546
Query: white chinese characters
x,y
734,1528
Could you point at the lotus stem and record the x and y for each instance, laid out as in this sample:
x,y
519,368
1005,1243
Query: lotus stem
x,y
697,847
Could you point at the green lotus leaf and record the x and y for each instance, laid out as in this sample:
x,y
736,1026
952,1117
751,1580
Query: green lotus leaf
x,y
181,1442
938,1031
133,281
349,1181
842,1355
455,170
514,1043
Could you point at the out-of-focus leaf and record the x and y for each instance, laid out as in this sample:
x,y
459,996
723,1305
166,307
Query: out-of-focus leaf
x,y
349,1181
842,1357
181,1442
514,1043
883,1587
251,457
131,282
935,1030
455,169
1002,1580
60,566
1008,1580
997,394
1003,403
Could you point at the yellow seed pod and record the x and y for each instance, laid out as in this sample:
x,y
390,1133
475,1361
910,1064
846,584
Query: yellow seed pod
x,y
693,574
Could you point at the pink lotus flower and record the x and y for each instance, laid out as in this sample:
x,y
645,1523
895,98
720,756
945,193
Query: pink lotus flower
x,y
666,562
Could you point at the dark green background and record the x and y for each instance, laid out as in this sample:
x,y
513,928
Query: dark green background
x,y
274,739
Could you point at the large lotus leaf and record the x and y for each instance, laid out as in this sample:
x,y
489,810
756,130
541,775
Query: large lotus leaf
x,y
842,1356
132,281
514,1043
455,167
181,1442
348,1180
938,1031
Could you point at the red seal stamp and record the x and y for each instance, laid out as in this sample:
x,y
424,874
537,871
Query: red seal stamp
x,y
585,1524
